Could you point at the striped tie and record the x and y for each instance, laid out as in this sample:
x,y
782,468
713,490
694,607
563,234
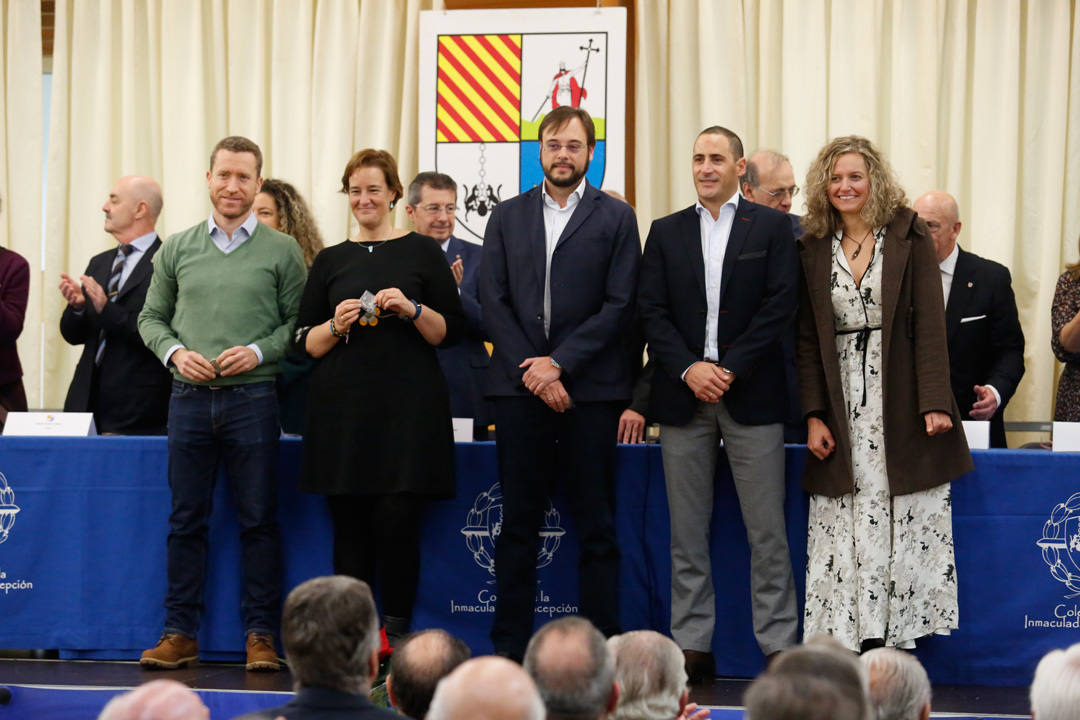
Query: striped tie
x,y
114,286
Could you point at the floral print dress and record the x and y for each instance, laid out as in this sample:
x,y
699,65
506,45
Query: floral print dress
x,y
1066,305
880,566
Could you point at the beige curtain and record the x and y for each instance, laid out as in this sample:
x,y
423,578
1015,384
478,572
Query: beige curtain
x,y
978,98
20,159
148,87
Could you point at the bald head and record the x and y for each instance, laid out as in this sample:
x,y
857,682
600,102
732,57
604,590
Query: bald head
x,y
769,180
942,217
159,700
487,688
573,668
417,667
132,208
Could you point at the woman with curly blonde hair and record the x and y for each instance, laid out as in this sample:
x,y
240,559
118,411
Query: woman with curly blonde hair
x,y
883,428
279,205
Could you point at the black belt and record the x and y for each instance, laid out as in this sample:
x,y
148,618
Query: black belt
x,y
861,343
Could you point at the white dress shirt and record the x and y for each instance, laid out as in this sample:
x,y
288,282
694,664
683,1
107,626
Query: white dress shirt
x,y
555,220
714,242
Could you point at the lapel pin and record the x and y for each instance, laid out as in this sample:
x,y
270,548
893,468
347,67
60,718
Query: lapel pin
x,y
971,284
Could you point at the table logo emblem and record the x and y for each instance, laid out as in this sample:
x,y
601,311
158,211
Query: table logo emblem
x,y
484,522
1060,544
8,508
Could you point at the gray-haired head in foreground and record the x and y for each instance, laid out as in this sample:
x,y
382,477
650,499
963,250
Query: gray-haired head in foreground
x,y
487,688
825,659
158,699
417,666
573,669
330,630
651,673
899,686
1055,691
779,696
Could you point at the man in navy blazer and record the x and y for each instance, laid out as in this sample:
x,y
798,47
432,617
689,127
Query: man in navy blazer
x,y
557,285
986,343
716,295
118,378
432,202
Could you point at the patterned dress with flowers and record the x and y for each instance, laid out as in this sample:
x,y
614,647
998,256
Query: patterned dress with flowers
x,y
880,566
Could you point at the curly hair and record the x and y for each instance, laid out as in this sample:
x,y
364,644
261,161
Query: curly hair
x,y
294,217
886,194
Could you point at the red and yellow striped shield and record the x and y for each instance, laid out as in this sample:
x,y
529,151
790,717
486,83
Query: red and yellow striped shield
x,y
479,88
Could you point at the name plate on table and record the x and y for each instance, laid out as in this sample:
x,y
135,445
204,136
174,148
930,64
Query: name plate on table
x,y
978,434
463,429
1066,437
58,424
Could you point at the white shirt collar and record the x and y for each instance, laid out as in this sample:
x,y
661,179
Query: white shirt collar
x,y
445,245
579,191
143,242
733,201
948,265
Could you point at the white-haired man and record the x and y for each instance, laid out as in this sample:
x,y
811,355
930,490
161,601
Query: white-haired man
x,y
899,686
650,673
1055,691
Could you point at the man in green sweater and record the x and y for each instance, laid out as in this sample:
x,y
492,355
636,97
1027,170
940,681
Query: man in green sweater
x,y
219,312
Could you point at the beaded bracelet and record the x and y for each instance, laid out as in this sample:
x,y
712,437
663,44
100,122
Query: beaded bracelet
x,y
333,330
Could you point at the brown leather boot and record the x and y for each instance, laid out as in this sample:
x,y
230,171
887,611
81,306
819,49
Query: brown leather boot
x,y
172,651
261,654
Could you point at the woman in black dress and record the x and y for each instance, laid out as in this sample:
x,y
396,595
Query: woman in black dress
x,y
378,441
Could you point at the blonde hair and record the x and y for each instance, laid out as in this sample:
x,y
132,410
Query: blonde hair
x,y
886,194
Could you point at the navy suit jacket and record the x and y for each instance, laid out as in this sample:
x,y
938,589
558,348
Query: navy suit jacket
x,y
758,297
136,382
594,270
986,343
466,363
321,703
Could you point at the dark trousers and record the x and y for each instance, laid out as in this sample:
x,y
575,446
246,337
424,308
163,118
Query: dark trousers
x,y
237,424
377,539
535,447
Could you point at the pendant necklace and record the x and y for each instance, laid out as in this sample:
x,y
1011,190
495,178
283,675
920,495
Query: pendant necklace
x,y
857,242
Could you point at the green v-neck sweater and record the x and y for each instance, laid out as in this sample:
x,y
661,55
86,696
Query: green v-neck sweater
x,y
209,301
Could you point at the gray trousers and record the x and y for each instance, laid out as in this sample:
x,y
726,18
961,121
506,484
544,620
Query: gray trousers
x,y
756,456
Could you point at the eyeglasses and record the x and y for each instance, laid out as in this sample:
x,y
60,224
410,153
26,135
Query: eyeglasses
x,y
573,148
436,209
792,191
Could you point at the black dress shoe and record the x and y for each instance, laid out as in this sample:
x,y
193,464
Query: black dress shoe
x,y
700,666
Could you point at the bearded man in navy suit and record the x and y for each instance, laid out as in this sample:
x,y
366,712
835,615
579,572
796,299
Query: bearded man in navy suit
x,y
986,344
432,204
716,296
557,285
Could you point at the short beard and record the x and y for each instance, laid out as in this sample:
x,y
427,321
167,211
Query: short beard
x,y
571,181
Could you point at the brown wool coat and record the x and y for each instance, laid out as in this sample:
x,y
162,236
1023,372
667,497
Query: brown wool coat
x,y
915,365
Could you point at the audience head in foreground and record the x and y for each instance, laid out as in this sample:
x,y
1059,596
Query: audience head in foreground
x,y
330,630
650,675
487,688
798,696
418,665
573,669
157,700
899,686
825,660
1055,691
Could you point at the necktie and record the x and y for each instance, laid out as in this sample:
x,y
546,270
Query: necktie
x,y
113,288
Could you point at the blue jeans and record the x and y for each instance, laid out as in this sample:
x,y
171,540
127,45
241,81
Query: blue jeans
x,y
239,424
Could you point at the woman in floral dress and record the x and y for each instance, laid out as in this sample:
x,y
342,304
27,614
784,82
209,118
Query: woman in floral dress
x,y
883,428
1065,341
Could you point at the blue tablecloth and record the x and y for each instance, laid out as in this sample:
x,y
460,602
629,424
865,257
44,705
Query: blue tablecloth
x,y
82,559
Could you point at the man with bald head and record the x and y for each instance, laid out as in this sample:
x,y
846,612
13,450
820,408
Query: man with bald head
x,y
118,378
770,181
487,688
986,344
574,670
417,666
